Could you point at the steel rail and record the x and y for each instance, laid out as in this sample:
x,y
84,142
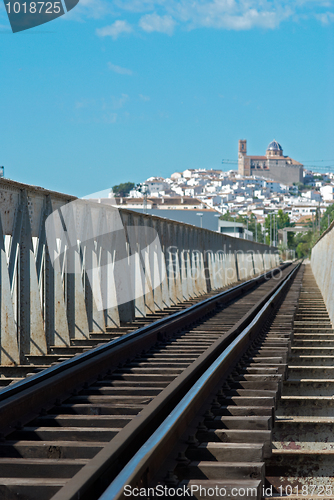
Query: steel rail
x,y
147,456
32,393
26,399
109,461
305,411
81,358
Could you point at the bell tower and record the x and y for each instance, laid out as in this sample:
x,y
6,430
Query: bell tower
x,y
243,161
242,147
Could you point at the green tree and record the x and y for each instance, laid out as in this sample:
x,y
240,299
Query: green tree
x,y
281,219
328,216
228,217
255,227
225,216
304,243
123,189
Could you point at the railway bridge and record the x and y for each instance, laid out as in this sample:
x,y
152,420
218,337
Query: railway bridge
x,y
142,357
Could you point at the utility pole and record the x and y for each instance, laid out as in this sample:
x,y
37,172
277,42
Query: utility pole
x,y
270,231
145,198
274,230
143,188
234,217
145,202
200,214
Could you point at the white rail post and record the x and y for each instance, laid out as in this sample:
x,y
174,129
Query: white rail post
x,y
9,353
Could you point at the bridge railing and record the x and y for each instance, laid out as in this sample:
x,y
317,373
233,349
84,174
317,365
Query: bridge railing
x,y
64,273
322,263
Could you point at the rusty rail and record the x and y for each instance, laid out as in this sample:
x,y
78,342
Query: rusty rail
x,y
149,458
33,397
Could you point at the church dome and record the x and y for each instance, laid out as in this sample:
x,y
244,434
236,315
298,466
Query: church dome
x,y
274,146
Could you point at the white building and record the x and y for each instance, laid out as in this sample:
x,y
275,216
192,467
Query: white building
x,y
155,186
187,174
176,176
312,195
298,210
275,187
193,191
327,192
234,229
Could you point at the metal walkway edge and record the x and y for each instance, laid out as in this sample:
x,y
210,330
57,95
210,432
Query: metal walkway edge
x,y
54,423
143,467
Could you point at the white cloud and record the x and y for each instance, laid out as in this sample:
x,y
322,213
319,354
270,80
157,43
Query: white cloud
x,y
85,103
165,15
106,110
118,102
232,14
145,98
246,21
115,30
109,118
141,6
154,22
119,69
90,9
326,18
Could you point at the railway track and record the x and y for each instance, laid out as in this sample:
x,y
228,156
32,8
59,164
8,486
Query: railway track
x,y
34,364
69,430
302,463
218,437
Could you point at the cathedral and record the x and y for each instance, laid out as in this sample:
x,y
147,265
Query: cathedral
x,y
274,165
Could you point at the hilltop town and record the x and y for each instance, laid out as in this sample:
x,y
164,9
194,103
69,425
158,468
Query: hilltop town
x,y
210,194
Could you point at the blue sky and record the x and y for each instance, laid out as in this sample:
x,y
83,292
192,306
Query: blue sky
x,y
119,91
